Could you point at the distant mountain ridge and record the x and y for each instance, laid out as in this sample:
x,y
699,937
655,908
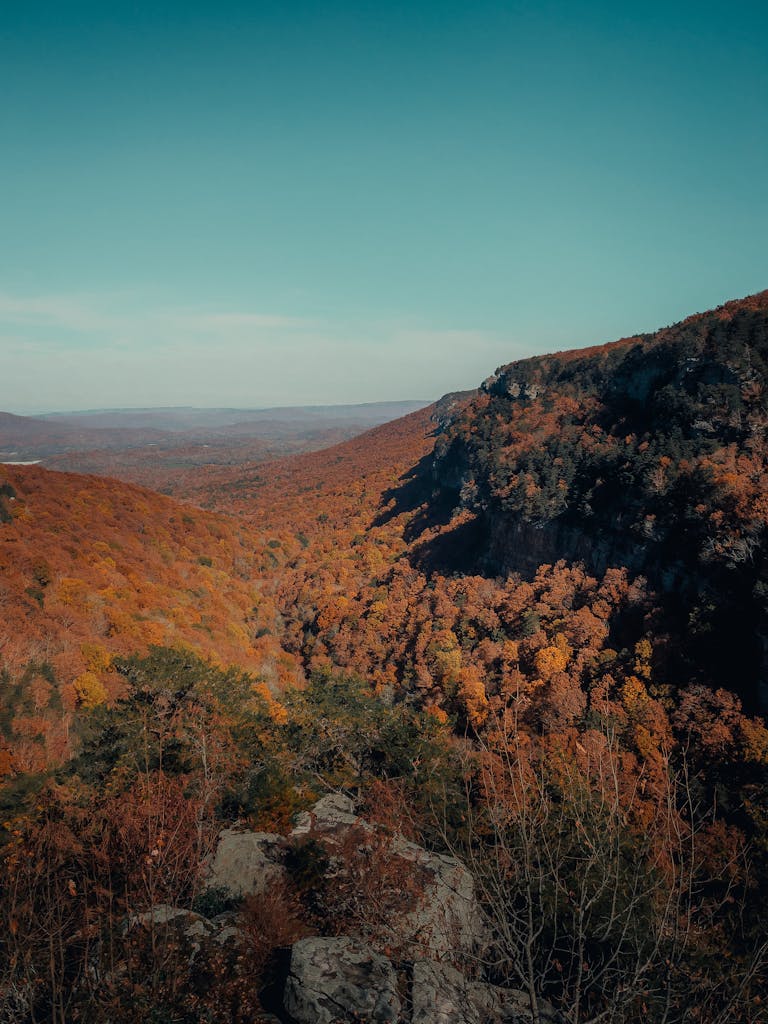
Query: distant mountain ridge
x,y
155,446
180,418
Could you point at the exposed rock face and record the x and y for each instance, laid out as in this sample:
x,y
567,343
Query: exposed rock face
x,y
516,546
330,814
189,931
333,980
246,863
446,920
447,408
443,995
512,383
440,996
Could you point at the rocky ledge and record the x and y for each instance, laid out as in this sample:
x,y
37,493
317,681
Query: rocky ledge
x,y
420,962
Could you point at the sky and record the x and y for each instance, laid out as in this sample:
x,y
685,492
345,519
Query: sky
x,y
250,204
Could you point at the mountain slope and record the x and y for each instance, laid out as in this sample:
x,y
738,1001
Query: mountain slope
x,y
626,436
649,453
547,723
645,456
90,568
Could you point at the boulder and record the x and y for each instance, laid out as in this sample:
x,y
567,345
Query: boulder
x,y
246,863
443,995
340,979
445,920
331,813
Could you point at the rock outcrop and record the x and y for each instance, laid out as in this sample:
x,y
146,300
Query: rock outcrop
x,y
445,919
330,815
442,995
339,979
335,980
246,863
410,976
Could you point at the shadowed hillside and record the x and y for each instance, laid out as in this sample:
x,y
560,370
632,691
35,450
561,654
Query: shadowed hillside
x,y
649,453
493,649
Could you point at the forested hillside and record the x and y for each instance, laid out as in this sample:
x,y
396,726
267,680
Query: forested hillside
x,y
90,568
495,649
650,454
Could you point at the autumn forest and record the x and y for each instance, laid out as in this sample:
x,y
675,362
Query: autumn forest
x,y
464,710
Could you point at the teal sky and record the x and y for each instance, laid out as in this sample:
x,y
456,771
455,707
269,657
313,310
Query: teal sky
x,y
256,204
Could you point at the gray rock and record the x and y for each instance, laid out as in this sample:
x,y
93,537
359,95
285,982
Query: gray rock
x,y
184,929
443,995
439,996
446,919
332,812
340,979
496,1005
246,863
190,931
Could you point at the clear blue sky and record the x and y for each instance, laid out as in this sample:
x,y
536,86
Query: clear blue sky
x,y
249,204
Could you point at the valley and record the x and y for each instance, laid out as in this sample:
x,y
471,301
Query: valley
x,y
511,645
162,448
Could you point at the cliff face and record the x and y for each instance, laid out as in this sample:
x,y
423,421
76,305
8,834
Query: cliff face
x,y
516,546
650,453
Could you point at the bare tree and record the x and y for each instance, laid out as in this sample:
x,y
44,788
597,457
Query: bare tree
x,y
596,885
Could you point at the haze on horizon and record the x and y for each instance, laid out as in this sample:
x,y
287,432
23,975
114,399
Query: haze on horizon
x,y
271,205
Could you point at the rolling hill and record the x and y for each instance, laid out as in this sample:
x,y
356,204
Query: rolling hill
x,y
519,626
91,568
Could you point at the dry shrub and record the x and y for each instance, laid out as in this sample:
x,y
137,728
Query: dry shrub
x,y
270,921
370,888
387,804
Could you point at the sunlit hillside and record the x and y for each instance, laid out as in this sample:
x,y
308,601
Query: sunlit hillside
x,y
507,648
91,568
